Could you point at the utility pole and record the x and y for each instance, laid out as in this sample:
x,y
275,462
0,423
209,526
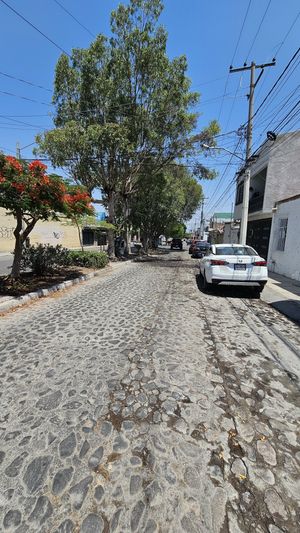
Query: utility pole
x,y
18,150
202,222
253,83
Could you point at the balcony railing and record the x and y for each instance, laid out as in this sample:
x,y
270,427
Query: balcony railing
x,y
256,204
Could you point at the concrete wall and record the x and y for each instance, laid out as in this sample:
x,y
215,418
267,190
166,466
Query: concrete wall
x,y
230,233
286,262
54,232
282,159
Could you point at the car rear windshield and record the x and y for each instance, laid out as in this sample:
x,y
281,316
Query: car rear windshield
x,y
235,250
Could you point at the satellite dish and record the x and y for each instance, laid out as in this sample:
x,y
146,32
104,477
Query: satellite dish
x,y
271,135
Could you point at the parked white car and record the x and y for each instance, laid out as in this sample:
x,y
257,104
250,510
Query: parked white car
x,y
233,264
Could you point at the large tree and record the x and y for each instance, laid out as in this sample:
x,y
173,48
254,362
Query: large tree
x,y
119,104
30,195
165,200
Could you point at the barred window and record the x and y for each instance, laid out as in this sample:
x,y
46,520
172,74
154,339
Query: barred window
x,y
282,234
239,193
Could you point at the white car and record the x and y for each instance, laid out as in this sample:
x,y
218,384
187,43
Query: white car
x,y
233,264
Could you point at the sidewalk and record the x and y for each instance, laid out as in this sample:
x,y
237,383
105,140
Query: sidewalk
x,y
283,294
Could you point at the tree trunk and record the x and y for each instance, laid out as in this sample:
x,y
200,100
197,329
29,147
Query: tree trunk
x,y
79,235
20,237
111,219
16,267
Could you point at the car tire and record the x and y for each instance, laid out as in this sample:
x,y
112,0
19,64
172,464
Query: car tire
x,y
205,286
256,291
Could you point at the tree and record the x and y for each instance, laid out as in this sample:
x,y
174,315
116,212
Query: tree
x,y
120,104
165,200
30,194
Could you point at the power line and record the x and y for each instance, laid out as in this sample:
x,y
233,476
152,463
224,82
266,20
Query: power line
x,y
286,116
25,81
235,50
241,31
276,82
288,32
258,30
21,122
25,97
74,18
35,27
224,173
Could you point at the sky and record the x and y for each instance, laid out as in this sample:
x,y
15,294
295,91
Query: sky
x,y
213,35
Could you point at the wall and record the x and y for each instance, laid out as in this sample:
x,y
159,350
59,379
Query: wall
x,y
286,262
231,233
282,159
53,232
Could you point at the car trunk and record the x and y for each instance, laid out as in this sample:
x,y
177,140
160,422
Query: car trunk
x,y
239,268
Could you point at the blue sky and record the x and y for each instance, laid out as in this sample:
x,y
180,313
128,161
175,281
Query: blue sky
x,y
207,32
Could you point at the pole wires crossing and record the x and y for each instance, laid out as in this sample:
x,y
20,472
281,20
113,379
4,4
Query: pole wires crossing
x,y
35,27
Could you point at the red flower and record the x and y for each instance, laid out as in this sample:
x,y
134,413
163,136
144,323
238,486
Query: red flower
x,y
37,165
18,186
68,198
45,180
13,162
2,179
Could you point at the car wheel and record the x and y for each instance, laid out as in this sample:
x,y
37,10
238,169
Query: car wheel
x,y
205,286
256,291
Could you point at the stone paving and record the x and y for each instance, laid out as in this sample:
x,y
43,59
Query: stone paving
x,y
136,403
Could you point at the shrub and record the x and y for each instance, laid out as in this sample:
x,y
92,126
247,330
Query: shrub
x,y
87,259
44,259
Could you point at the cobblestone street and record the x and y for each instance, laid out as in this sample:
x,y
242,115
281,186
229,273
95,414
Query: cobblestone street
x,y
137,403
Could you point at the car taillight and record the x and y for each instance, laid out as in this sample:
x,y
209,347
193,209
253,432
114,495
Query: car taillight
x,y
215,262
260,263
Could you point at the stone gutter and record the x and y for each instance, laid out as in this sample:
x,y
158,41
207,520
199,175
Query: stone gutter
x,y
8,303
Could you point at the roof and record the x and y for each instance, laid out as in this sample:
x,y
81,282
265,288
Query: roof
x,y
223,215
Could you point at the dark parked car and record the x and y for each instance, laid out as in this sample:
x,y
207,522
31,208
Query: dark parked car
x,y
200,249
192,246
176,244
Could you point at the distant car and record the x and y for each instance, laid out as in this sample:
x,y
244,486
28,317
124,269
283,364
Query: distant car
x,y
233,264
176,244
193,246
200,249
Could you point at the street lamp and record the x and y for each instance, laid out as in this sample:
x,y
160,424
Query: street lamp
x,y
245,206
207,147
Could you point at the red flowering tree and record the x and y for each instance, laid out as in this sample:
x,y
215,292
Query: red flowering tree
x,y
30,194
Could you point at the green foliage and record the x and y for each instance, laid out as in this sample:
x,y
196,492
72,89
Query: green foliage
x,y
120,103
167,198
87,259
177,229
44,259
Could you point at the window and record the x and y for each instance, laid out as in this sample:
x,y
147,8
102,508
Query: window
x,y
88,238
282,234
235,250
239,193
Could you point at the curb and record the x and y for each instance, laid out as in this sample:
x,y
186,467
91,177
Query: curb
x,y
15,302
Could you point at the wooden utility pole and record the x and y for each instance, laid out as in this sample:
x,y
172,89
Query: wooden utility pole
x,y
253,83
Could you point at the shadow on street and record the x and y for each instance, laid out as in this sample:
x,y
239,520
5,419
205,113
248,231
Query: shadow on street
x,y
225,291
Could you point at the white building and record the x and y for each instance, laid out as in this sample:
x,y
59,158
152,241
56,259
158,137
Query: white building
x,y
284,249
275,175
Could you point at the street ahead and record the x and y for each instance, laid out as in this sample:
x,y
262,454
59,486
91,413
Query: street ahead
x,y
137,403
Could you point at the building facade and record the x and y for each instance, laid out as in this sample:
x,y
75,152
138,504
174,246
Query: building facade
x,y
51,232
275,175
284,249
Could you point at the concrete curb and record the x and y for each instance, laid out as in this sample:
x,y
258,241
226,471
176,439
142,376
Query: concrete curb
x,y
14,302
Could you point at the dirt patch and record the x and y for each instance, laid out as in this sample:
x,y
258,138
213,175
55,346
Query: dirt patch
x,y
30,283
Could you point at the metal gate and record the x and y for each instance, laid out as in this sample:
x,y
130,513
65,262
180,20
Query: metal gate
x,y
258,235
